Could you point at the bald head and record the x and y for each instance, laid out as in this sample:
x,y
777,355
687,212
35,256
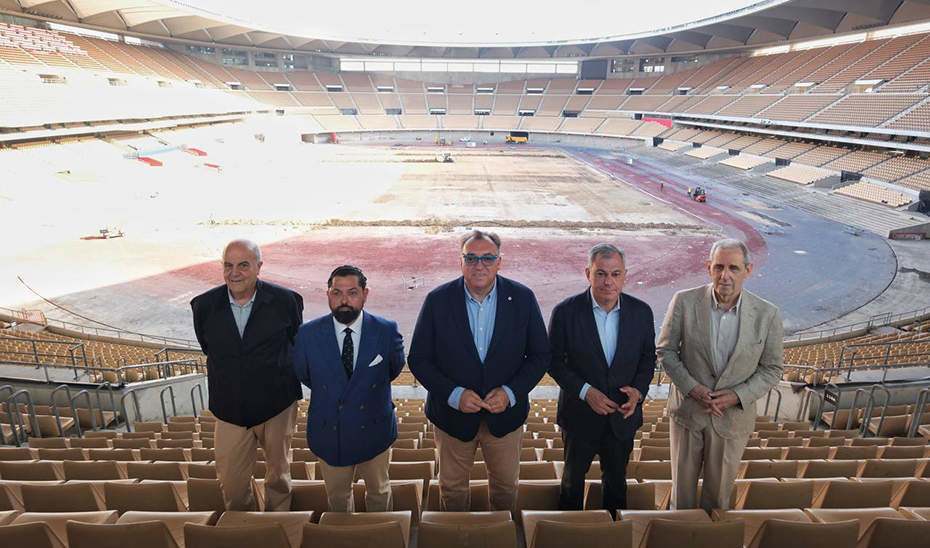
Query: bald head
x,y
242,261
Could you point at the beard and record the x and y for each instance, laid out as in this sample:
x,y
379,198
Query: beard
x,y
346,314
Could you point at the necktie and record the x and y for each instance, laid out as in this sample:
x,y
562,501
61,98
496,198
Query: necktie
x,y
348,352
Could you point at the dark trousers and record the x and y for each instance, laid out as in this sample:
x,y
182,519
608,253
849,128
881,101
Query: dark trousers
x,y
579,452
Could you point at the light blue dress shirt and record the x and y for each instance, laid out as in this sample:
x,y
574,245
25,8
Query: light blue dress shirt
x,y
608,328
481,317
241,312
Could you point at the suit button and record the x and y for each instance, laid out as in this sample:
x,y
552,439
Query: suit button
x,y
362,407
334,428
340,407
324,387
363,427
374,385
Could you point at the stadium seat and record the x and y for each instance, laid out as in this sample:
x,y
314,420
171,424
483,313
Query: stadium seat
x,y
777,533
269,535
292,522
670,532
491,534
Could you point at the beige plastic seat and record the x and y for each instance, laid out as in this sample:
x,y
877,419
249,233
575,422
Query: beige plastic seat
x,y
30,471
639,496
641,518
93,470
881,468
120,455
538,470
865,516
269,535
895,533
776,495
165,471
130,443
776,533
145,534
173,454
67,497
292,522
383,535
610,534
896,452
175,521
33,535
465,518
855,494
201,471
913,493
663,533
770,469
49,443
57,521
205,495
492,534
915,512
61,454
537,495
412,455
830,469
90,443
753,519
807,453
530,518
309,496
355,519
16,453
143,497
856,453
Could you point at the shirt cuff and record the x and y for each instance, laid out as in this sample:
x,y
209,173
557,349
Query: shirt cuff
x,y
455,396
584,390
510,396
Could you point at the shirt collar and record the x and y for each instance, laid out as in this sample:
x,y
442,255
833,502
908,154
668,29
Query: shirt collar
x,y
355,326
251,300
596,306
716,305
491,294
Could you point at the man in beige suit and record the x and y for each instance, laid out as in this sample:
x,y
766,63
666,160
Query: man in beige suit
x,y
722,348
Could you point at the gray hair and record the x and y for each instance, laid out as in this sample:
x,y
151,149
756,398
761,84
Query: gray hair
x,y
730,243
482,235
248,244
605,251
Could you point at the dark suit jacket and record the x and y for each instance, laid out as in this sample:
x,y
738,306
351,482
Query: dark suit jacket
x,y
443,356
578,358
250,378
349,420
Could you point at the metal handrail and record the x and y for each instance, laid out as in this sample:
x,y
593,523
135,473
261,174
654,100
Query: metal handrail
x,y
824,402
105,332
161,397
109,387
854,408
864,430
10,416
74,415
199,390
17,426
90,409
122,405
922,397
777,405
877,320
12,407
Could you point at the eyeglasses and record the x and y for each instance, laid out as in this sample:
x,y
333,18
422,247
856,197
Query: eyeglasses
x,y
487,260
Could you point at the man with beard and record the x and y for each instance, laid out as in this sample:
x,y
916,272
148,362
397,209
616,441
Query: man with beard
x,y
348,359
246,327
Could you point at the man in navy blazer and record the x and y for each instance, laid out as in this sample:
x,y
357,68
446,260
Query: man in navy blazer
x,y
246,327
479,347
603,357
348,359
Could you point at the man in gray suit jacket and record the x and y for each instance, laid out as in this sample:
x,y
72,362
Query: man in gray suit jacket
x,y
722,348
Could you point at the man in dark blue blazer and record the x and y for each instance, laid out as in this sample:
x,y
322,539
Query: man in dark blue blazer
x,y
348,359
478,348
603,357
246,327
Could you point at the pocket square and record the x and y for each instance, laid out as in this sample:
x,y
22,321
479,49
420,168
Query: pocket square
x,y
378,359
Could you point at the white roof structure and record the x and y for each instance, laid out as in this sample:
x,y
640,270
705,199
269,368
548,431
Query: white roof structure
x,y
577,28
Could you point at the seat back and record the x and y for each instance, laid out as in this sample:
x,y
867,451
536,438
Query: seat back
x,y
895,533
662,533
465,518
92,470
383,535
33,535
67,497
493,534
609,534
776,533
142,497
205,495
356,519
530,518
144,534
292,522
164,471
270,535
856,494
29,471
776,494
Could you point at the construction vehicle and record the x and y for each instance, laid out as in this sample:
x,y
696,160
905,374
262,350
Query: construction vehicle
x,y
697,194
515,139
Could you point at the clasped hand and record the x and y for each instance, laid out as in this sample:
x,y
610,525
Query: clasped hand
x,y
602,405
714,402
495,402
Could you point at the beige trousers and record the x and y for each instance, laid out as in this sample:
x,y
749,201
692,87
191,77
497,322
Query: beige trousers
x,y
338,481
236,449
692,450
456,457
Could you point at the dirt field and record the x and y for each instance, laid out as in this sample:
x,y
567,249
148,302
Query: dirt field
x,y
395,212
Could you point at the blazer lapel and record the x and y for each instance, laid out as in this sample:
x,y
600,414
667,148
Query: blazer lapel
x,y
460,317
704,313
503,315
261,297
366,345
588,325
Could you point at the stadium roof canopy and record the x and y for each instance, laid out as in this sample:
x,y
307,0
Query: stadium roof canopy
x,y
480,28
